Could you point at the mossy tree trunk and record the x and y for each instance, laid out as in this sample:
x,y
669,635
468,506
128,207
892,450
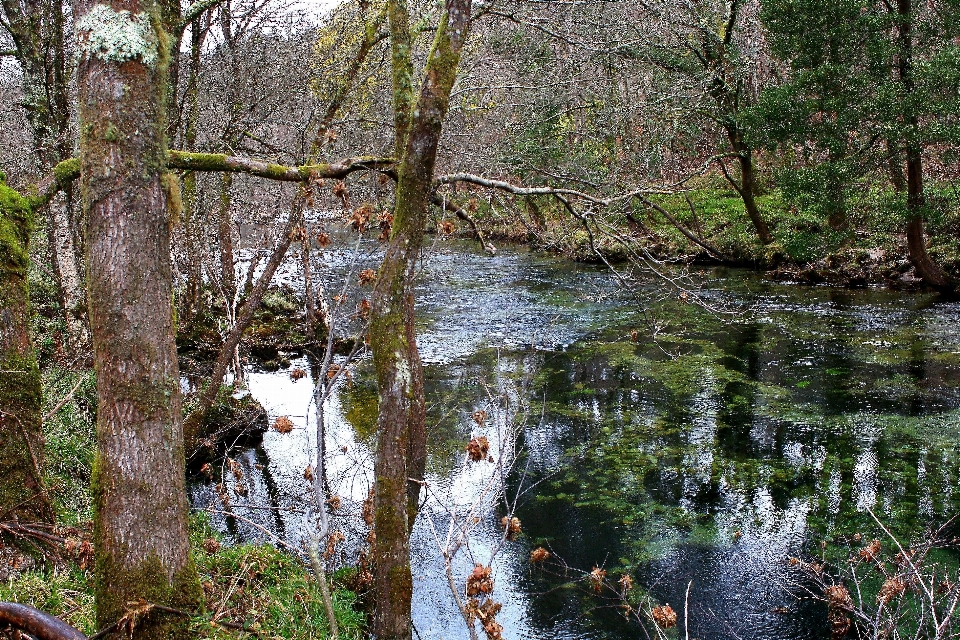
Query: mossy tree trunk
x,y
21,436
748,187
141,533
401,447
38,31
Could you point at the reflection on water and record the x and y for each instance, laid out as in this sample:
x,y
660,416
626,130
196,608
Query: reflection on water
x,y
712,456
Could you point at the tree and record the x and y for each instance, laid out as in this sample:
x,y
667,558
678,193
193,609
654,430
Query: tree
x,y
141,535
717,45
401,444
866,94
39,33
22,495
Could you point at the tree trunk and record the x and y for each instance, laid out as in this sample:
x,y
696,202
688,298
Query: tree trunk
x,y
401,445
141,536
747,189
71,287
192,224
21,434
310,295
228,277
927,269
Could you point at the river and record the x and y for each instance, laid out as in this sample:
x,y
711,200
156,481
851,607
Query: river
x,y
684,446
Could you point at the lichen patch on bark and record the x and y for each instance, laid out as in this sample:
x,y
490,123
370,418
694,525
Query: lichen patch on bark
x,y
117,36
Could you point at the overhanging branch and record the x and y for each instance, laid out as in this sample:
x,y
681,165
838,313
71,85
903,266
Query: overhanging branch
x,y
69,170
234,164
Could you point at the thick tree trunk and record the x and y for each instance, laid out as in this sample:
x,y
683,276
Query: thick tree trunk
x,y
927,269
21,435
401,446
141,535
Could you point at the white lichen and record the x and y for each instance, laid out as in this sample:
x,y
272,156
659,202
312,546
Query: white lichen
x,y
404,379
116,36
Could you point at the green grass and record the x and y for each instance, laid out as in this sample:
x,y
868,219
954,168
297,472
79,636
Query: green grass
x,y
252,585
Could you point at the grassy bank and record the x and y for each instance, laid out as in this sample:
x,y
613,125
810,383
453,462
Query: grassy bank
x,y
869,249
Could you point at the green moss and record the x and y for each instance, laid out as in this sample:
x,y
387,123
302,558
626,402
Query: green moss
x,y
67,171
112,134
171,187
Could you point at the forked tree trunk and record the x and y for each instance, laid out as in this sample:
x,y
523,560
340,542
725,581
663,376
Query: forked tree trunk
x,y
401,446
21,435
141,536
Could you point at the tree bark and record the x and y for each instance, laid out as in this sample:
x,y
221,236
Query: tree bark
x,y
22,494
401,421
141,535
71,282
191,225
747,189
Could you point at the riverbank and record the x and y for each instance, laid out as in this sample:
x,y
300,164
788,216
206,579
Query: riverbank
x,y
870,250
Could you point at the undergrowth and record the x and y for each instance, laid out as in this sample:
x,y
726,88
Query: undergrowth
x,y
254,586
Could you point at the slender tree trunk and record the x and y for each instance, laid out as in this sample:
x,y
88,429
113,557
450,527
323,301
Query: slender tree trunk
x,y
141,535
401,446
310,295
192,224
748,187
228,277
928,270
71,287
21,434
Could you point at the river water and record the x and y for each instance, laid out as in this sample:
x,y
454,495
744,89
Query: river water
x,y
700,452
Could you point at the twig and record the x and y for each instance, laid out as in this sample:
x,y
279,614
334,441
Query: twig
x,y
63,402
